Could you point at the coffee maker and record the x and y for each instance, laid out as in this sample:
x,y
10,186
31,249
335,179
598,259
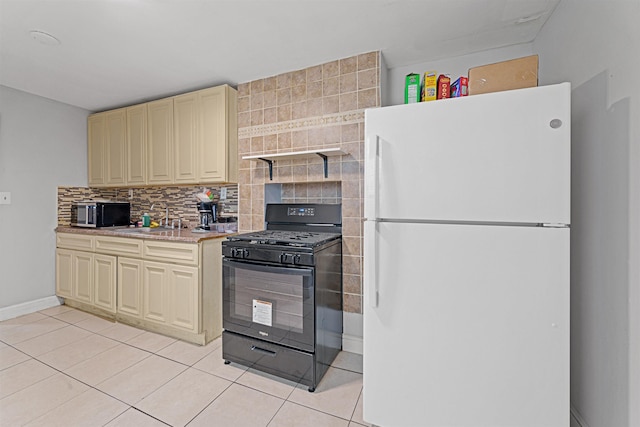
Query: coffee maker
x,y
208,214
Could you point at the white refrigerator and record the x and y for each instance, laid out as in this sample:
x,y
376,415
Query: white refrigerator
x,y
466,261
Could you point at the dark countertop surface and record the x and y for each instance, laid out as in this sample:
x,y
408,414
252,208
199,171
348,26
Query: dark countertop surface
x,y
175,235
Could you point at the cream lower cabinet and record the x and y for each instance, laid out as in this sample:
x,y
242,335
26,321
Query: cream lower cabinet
x,y
74,275
84,277
104,282
173,288
64,273
130,286
171,295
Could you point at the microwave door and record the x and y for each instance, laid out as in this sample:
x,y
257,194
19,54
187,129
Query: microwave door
x,y
91,215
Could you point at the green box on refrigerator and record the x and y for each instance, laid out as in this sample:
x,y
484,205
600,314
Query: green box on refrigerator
x,y
412,88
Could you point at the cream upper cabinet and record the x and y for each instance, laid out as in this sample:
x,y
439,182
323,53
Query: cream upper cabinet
x,y
137,145
185,125
160,142
107,148
186,139
206,136
96,136
115,147
218,135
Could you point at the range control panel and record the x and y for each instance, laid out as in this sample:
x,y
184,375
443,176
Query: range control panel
x,y
296,211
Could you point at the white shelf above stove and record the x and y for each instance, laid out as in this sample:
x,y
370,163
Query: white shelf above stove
x,y
322,153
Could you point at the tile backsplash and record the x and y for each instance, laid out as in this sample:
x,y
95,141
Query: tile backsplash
x,y
317,107
180,200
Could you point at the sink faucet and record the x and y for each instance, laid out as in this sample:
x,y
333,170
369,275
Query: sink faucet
x,y
166,215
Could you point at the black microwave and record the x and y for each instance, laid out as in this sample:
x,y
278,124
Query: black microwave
x,y
100,214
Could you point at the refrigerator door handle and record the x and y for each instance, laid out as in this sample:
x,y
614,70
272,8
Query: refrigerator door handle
x,y
371,177
371,264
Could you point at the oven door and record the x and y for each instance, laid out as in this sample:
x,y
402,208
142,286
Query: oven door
x,y
268,302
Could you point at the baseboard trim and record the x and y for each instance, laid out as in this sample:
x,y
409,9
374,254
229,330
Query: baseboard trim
x,y
576,419
28,307
352,344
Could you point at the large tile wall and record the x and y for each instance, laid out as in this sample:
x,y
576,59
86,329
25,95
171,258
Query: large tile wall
x,y
317,107
181,201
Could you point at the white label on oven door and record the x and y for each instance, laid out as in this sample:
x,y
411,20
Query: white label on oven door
x,y
262,312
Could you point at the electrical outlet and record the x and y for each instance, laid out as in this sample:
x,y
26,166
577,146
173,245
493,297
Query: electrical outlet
x,y
223,193
131,193
5,198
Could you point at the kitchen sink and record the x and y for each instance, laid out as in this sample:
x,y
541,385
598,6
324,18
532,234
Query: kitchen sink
x,y
145,230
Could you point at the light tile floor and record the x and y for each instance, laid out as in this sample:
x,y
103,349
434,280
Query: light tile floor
x,y
64,367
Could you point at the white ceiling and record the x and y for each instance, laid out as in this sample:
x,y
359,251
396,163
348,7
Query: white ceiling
x,y
119,52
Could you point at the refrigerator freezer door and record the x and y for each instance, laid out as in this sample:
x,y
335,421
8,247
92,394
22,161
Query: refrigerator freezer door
x,y
471,327
498,157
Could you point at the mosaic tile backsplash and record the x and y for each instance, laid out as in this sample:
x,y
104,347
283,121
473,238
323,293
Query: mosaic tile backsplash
x,y
180,200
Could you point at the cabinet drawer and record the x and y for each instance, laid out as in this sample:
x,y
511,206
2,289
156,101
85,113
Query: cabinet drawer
x,y
75,241
119,246
180,253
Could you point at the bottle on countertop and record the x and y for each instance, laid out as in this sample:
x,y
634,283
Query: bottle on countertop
x,y
146,220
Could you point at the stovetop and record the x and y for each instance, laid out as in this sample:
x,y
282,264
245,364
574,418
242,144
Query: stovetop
x,y
307,239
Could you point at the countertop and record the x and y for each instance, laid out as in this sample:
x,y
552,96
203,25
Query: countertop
x,y
179,235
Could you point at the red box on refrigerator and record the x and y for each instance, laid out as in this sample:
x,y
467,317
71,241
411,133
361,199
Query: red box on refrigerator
x,y
460,87
444,84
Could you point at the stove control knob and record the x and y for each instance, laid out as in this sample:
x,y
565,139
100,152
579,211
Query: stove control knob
x,y
286,258
239,253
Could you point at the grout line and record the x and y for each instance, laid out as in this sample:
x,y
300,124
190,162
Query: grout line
x,y
286,399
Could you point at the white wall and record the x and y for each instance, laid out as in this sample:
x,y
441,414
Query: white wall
x,y
455,67
595,45
43,145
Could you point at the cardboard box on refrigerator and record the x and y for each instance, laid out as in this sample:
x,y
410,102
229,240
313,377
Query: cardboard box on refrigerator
x,y
429,86
507,75
412,88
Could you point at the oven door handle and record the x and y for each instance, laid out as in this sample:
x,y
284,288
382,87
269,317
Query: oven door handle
x,y
263,351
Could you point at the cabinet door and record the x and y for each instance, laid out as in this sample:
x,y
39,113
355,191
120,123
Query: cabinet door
x,y
137,145
115,147
130,279
183,297
64,273
155,288
104,282
160,142
212,156
95,149
83,276
185,116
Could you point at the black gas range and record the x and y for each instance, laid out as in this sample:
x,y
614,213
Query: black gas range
x,y
282,289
